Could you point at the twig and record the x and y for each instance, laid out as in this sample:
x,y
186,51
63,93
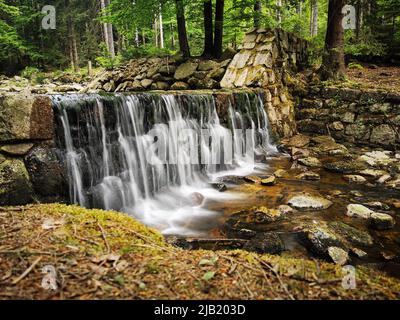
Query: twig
x,y
26,272
277,276
104,238
245,285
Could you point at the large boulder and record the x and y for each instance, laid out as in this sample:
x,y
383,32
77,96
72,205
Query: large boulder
x,y
15,187
47,174
25,117
185,70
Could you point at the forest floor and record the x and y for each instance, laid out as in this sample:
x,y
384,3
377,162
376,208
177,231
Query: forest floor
x,y
93,254
374,77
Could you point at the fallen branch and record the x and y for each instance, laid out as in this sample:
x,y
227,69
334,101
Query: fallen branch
x,y
27,271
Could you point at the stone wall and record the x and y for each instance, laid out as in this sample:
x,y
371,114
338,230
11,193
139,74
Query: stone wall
x,y
370,118
265,61
264,58
170,73
29,167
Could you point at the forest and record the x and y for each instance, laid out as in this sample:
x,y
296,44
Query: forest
x,y
109,32
182,150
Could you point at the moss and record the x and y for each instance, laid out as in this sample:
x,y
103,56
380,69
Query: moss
x,y
83,246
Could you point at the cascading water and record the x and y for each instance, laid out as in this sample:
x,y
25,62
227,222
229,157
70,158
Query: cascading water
x,y
154,155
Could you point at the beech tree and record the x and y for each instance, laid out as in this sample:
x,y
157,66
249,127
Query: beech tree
x,y
333,64
208,28
182,33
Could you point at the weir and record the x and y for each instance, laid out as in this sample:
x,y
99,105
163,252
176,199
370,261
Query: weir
x,y
155,156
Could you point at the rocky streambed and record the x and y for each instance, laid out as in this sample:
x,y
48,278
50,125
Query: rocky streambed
x,y
319,200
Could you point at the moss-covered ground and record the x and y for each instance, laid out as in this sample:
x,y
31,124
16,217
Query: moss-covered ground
x,y
106,255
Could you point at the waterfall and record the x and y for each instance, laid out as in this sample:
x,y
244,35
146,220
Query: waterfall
x,y
154,155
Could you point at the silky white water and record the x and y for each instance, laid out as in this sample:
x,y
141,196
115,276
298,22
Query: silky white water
x,y
154,156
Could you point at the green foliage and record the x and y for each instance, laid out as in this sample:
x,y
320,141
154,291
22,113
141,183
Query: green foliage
x,y
354,65
373,48
145,51
29,72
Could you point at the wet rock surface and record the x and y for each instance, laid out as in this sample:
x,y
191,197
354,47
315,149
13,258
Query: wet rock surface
x,y
340,212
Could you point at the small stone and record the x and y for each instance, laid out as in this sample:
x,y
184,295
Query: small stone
x,y
355,179
358,253
299,141
310,162
180,86
377,205
373,173
221,187
385,178
389,256
280,173
356,193
382,221
17,149
310,176
146,83
270,181
358,211
308,202
252,179
338,255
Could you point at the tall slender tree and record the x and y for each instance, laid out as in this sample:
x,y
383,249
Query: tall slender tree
x,y
333,64
208,28
182,33
314,18
219,28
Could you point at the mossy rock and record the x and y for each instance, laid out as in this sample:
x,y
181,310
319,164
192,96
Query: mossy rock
x,y
15,187
351,234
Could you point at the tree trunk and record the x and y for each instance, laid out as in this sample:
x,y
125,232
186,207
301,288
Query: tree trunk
x,y
333,65
182,34
208,28
314,18
257,13
172,36
105,29
219,28
108,34
161,29
279,12
156,31
360,17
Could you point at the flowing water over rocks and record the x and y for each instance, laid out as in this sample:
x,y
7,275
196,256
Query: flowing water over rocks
x,y
314,198
113,161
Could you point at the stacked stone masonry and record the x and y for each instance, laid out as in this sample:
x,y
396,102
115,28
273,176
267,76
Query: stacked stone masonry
x,y
369,118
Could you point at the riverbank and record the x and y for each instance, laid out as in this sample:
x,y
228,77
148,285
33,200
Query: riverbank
x,y
108,255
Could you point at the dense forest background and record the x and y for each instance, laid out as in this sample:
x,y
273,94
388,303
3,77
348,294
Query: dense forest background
x,y
107,32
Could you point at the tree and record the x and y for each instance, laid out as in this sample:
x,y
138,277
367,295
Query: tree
x,y
219,28
108,30
314,18
333,64
182,33
208,28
